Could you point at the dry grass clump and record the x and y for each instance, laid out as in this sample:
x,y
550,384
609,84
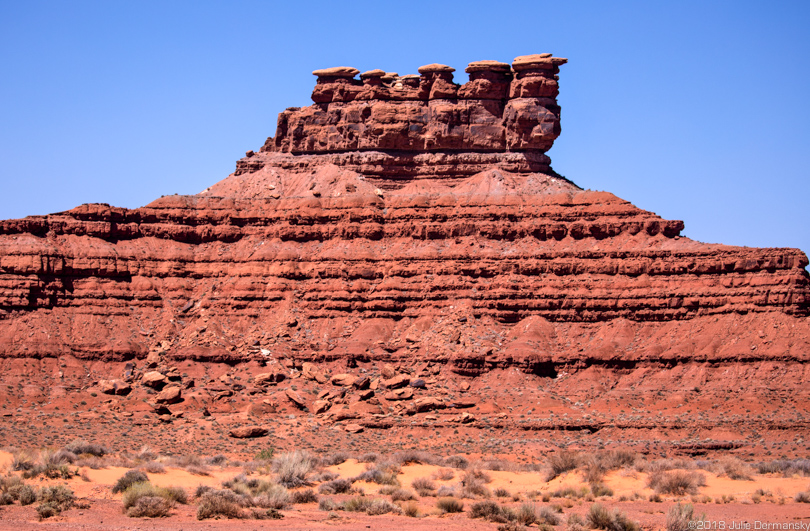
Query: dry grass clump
x,y
370,457
399,494
548,515
192,464
601,518
384,473
303,496
139,490
561,462
411,509
336,486
599,464
474,488
52,465
676,482
682,518
449,505
444,474
264,494
293,467
424,486
273,497
501,492
417,457
153,467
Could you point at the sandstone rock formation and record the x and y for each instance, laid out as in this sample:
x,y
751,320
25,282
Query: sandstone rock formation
x,y
397,220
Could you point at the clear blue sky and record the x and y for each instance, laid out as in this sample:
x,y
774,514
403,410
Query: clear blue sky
x,y
693,110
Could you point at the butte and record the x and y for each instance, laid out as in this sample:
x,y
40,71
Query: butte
x,y
401,255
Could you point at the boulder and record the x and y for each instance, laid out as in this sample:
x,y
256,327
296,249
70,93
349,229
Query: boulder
x,y
169,395
248,432
344,380
296,399
428,403
396,382
353,428
399,394
320,406
269,378
154,379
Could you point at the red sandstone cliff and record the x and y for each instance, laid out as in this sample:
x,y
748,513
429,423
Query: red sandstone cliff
x,y
383,222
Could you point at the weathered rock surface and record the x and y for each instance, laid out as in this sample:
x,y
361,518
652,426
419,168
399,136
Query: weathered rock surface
x,y
248,432
398,220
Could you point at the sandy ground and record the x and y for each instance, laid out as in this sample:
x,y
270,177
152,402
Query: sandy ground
x,y
104,509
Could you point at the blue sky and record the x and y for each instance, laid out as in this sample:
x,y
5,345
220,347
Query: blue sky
x,y
693,110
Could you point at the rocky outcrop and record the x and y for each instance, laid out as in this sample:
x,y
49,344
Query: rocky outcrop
x,y
387,221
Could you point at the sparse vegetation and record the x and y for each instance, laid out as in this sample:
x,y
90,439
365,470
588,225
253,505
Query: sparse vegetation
x,y
131,477
682,518
561,463
293,467
449,505
600,517
676,482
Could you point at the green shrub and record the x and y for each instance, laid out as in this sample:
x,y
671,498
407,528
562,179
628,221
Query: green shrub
x,y
53,500
266,454
27,495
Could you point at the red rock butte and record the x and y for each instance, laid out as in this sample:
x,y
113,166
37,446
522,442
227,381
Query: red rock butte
x,y
405,220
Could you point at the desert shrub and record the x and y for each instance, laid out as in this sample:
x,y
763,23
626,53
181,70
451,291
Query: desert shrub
x,y
402,495
457,461
140,490
336,486
217,460
561,462
62,457
6,499
474,488
80,447
415,457
682,518
423,486
735,469
786,467
676,482
598,464
150,507
411,509
266,454
53,500
303,496
153,467
600,489
512,526
379,476
601,518
202,489
130,478
174,494
292,468
802,497
445,490
501,492
444,474
380,506
476,474
449,505
219,503
548,515
334,459
22,461
661,465
10,486
358,504
327,504
27,495
575,522
488,510
324,475
568,492
370,457
275,497
527,514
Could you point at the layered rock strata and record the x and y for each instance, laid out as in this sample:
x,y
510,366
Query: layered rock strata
x,y
401,219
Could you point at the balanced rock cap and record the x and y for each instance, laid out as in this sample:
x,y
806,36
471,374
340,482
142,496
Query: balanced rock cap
x,y
435,67
372,73
336,71
487,66
538,60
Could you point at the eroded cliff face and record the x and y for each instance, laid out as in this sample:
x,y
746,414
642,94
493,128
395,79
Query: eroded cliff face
x,y
402,219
